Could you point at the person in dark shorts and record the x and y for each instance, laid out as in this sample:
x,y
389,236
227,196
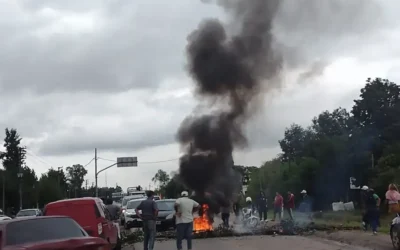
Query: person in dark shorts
x,y
149,216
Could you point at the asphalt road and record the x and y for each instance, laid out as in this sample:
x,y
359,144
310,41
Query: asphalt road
x,y
255,243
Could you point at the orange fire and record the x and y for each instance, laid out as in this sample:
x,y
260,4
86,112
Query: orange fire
x,y
202,223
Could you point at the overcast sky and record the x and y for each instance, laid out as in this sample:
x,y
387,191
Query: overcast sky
x,y
76,75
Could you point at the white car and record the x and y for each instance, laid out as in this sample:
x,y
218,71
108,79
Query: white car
x,y
3,217
33,212
130,217
124,203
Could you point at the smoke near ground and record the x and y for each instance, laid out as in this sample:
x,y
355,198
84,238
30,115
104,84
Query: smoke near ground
x,y
233,65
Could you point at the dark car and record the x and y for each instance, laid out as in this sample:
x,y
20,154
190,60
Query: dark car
x,y
166,214
46,232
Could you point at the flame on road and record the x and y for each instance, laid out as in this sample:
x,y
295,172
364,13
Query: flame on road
x,y
203,222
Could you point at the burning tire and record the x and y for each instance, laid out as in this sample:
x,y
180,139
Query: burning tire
x,y
252,222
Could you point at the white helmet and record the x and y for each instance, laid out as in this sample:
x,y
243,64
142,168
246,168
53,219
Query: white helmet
x,y
303,192
365,188
248,199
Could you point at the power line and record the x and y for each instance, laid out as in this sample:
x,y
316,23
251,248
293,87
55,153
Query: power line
x,y
38,158
142,162
89,162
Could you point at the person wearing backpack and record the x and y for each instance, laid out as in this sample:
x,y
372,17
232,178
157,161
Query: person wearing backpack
x,y
372,203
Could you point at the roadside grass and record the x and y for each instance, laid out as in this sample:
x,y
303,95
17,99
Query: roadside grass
x,y
341,219
351,219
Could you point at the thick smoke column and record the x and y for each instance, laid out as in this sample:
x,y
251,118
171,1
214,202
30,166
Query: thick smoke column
x,y
228,71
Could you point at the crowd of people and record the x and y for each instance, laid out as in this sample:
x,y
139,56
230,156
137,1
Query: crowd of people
x,y
185,207
280,204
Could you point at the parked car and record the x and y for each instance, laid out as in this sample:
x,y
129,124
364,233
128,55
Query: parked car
x,y
91,214
166,214
124,203
52,232
28,212
4,217
130,217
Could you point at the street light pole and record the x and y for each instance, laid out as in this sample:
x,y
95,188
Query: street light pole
x,y
121,162
96,174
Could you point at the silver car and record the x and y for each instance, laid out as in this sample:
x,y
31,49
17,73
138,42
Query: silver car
x,y
125,202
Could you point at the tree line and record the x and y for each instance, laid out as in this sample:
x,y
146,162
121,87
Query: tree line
x,y
363,143
57,183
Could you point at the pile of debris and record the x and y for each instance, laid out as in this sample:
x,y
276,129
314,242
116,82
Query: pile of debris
x,y
285,227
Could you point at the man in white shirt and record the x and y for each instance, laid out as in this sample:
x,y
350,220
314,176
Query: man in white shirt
x,y
184,207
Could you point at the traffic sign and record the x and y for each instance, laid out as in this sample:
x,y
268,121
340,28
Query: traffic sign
x,y
123,162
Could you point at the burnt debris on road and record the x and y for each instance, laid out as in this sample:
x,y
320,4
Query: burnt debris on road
x,y
285,227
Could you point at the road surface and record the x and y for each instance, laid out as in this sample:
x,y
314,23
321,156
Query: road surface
x,y
255,243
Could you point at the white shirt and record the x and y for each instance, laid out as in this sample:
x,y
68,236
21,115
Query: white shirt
x,y
185,207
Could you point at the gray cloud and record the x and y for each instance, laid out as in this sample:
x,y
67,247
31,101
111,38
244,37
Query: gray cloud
x,y
111,47
75,75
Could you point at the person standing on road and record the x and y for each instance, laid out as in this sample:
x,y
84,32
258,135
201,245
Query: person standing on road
x,y
262,206
372,210
114,211
364,195
149,216
225,214
278,206
290,204
184,207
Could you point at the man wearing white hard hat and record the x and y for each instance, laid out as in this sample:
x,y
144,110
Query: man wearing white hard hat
x,y
184,207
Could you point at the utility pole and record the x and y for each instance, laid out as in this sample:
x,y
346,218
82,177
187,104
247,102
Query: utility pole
x,y
20,174
95,170
106,178
4,190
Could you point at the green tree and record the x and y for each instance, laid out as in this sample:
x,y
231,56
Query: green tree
x,y
13,162
76,176
161,177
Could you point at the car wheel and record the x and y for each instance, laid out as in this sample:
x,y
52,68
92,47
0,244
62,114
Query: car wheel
x,y
395,236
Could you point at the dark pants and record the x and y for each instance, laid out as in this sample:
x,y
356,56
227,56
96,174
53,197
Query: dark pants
x,y
372,216
278,211
184,231
290,212
149,229
225,219
262,212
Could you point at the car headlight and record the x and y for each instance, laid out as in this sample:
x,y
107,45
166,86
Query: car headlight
x,y
170,216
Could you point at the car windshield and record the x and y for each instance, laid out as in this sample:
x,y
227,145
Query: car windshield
x,y
165,205
125,200
30,212
37,230
133,204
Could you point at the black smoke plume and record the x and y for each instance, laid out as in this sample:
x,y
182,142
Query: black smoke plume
x,y
229,71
